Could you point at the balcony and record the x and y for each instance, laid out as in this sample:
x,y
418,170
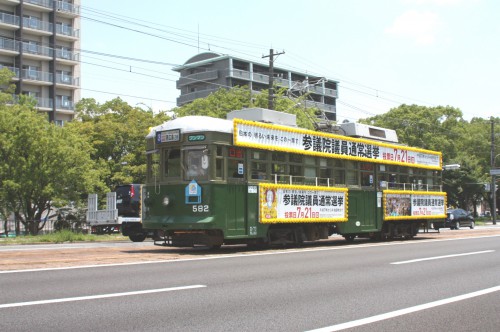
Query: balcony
x,y
8,21
38,52
12,69
282,82
260,78
37,77
67,81
37,27
46,5
67,57
240,74
67,9
46,104
324,107
67,33
189,97
65,105
198,77
9,46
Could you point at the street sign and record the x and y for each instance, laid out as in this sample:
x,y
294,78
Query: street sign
x,y
495,171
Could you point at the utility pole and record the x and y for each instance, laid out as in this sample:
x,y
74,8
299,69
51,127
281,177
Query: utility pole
x,y
493,177
271,76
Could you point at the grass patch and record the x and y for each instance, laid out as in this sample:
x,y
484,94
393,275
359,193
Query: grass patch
x,y
61,237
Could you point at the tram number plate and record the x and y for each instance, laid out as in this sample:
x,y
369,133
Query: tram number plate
x,y
201,208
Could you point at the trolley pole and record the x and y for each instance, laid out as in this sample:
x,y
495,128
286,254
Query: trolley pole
x,y
271,76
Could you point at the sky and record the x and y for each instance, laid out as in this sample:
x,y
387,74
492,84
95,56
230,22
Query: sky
x,y
383,53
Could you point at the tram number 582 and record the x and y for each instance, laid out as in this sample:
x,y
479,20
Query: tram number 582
x,y
200,208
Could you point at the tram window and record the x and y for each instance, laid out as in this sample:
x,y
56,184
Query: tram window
x,y
296,174
310,160
153,162
235,168
259,168
172,163
219,168
403,179
295,158
310,171
325,170
259,155
279,170
366,174
259,171
196,164
431,179
393,178
352,173
391,168
219,151
366,179
295,168
339,176
278,156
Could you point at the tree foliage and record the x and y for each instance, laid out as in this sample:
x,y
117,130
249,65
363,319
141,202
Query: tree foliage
x,y
116,131
443,129
223,101
42,165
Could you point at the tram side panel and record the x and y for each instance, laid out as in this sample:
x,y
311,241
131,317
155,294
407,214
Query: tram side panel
x,y
203,214
364,214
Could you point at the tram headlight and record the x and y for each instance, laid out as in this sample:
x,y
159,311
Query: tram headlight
x,y
166,201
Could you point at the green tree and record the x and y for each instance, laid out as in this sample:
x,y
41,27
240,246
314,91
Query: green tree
x,y
42,165
443,129
223,101
117,134
433,128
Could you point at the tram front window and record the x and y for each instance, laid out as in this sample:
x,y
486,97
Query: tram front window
x,y
172,163
196,164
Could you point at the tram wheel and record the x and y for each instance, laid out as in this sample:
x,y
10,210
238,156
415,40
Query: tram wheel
x,y
349,237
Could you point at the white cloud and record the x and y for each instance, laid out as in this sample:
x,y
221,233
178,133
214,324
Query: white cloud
x,y
422,27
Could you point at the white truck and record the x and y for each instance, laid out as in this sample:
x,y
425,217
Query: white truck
x,y
122,213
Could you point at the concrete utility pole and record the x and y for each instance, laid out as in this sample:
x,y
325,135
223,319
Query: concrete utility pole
x,y
271,76
493,177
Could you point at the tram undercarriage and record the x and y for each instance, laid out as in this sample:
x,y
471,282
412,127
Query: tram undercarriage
x,y
286,234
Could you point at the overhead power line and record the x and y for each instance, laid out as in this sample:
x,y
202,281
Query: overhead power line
x,y
191,39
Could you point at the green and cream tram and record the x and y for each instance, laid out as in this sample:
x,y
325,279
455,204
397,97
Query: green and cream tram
x,y
256,178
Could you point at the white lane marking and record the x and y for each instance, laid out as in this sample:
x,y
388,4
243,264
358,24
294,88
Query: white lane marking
x,y
441,257
95,297
401,312
275,252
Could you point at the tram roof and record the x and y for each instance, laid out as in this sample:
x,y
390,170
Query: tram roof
x,y
194,123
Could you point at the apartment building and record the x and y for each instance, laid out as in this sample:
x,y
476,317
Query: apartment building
x,y
207,72
40,43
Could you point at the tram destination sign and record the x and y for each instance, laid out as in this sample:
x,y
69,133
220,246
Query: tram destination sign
x,y
168,136
295,140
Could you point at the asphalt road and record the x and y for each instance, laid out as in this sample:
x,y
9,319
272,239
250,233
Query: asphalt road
x,y
411,285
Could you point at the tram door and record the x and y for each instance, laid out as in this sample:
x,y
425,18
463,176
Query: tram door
x,y
236,210
363,214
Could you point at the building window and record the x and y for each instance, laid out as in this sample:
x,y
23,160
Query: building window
x,y
65,102
64,76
